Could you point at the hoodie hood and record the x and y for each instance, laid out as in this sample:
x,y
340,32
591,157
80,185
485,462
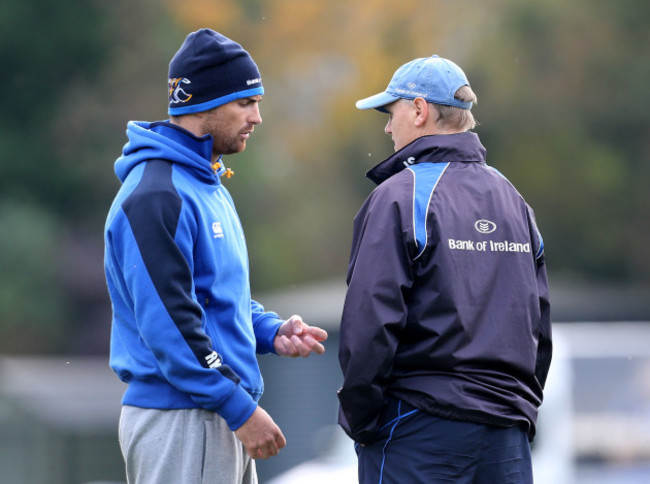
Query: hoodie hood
x,y
165,141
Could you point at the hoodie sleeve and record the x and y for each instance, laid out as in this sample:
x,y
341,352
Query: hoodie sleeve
x,y
374,314
154,251
266,325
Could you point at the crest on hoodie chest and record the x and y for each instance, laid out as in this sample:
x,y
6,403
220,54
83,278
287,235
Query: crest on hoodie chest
x,y
217,230
224,224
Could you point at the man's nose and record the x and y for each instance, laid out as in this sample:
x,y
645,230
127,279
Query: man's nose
x,y
256,117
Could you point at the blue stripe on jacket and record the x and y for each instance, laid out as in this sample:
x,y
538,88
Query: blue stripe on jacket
x,y
425,180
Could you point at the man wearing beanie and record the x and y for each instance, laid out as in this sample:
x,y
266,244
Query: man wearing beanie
x,y
446,343
185,331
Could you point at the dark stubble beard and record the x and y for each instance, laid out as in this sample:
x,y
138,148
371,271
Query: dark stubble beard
x,y
225,141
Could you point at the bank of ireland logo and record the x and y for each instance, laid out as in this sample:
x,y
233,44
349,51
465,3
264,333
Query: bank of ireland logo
x,y
176,92
485,226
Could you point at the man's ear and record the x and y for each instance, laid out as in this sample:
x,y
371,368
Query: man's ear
x,y
192,122
421,111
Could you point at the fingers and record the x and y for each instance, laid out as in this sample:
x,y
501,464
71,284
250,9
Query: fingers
x,y
296,338
312,338
318,333
297,324
284,347
308,345
299,346
298,327
270,448
304,346
261,437
264,452
293,347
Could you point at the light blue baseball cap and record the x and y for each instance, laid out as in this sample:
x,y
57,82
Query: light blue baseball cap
x,y
432,78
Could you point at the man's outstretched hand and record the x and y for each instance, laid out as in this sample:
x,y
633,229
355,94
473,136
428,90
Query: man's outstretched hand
x,y
297,338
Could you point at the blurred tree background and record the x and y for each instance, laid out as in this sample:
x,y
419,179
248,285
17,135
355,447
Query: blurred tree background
x,y
563,103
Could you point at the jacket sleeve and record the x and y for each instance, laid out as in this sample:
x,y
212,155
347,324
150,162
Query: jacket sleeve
x,y
155,255
374,314
545,345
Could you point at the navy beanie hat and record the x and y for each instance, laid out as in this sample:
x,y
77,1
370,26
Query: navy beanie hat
x,y
210,70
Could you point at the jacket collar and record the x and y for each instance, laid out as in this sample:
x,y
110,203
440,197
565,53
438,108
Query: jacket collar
x,y
438,148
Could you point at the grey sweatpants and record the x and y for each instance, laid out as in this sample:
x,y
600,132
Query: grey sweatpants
x,y
191,446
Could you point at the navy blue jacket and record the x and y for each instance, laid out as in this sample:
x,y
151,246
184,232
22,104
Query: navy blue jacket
x,y
447,305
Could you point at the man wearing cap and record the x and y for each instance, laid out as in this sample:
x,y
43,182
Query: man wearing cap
x,y
445,333
185,331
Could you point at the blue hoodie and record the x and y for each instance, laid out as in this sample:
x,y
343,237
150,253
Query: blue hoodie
x,y
185,331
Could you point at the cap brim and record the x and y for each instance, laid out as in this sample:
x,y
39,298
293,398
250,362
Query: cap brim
x,y
378,101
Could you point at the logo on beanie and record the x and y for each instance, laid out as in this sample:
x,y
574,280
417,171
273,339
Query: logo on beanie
x,y
176,93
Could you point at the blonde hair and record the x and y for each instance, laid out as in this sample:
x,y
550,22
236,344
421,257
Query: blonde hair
x,y
451,117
